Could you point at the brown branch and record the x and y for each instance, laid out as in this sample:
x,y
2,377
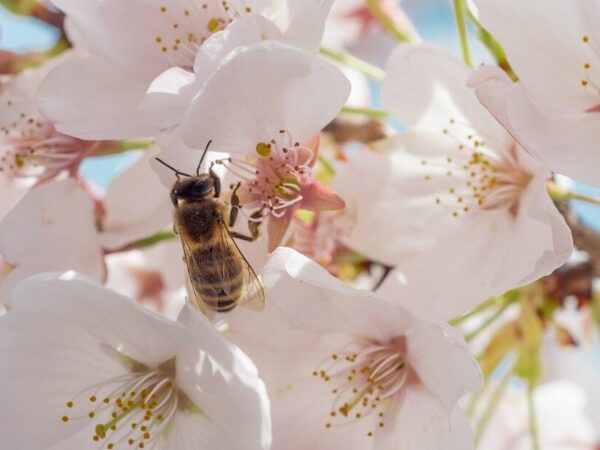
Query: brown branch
x,y
344,130
584,237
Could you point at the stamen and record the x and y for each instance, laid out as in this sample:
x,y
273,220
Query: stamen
x,y
131,409
485,178
365,377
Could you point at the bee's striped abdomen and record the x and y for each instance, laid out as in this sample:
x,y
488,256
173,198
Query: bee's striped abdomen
x,y
221,280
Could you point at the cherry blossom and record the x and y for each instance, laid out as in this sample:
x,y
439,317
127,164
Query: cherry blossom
x,y
61,225
361,372
279,130
458,201
52,228
157,47
117,377
561,420
553,110
134,206
29,144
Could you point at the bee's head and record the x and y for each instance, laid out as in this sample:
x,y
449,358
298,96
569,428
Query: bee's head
x,y
201,187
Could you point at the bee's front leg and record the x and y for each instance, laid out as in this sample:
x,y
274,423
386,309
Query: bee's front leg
x,y
216,180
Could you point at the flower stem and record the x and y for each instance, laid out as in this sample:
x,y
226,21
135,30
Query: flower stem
x,y
388,23
533,427
493,46
355,63
125,146
460,12
560,194
493,404
369,112
490,320
473,312
146,242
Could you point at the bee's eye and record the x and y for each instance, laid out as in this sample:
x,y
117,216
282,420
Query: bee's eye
x,y
201,189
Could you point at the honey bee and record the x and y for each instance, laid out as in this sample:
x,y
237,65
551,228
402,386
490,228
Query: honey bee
x,y
219,274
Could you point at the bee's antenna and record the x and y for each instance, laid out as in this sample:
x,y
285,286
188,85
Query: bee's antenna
x,y
177,172
202,159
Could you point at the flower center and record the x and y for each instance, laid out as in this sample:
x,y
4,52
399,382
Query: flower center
x,y
31,147
128,411
365,378
189,25
480,177
273,182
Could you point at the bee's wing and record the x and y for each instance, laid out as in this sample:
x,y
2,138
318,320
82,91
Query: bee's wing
x,y
195,273
253,294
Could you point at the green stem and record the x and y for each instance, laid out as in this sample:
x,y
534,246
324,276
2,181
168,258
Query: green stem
x,y
493,404
560,194
533,427
326,165
493,46
146,242
460,12
355,63
490,320
125,146
388,23
473,312
369,112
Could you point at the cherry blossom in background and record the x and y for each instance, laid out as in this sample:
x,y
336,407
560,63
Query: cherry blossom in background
x,y
353,27
554,108
361,372
561,420
53,228
289,95
463,209
132,43
29,144
117,377
62,225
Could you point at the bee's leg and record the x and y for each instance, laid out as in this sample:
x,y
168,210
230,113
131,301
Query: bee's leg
x,y
254,225
216,180
235,206
243,237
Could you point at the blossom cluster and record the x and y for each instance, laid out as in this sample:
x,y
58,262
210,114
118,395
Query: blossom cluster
x,y
408,259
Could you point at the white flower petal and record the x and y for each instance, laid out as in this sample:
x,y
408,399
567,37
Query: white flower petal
x,y
52,228
103,314
137,206
91,99
281,88
42,369
425,88
526,29
225,385
169,96
302,22
243,32
471,256
339,307
422,424
441,359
